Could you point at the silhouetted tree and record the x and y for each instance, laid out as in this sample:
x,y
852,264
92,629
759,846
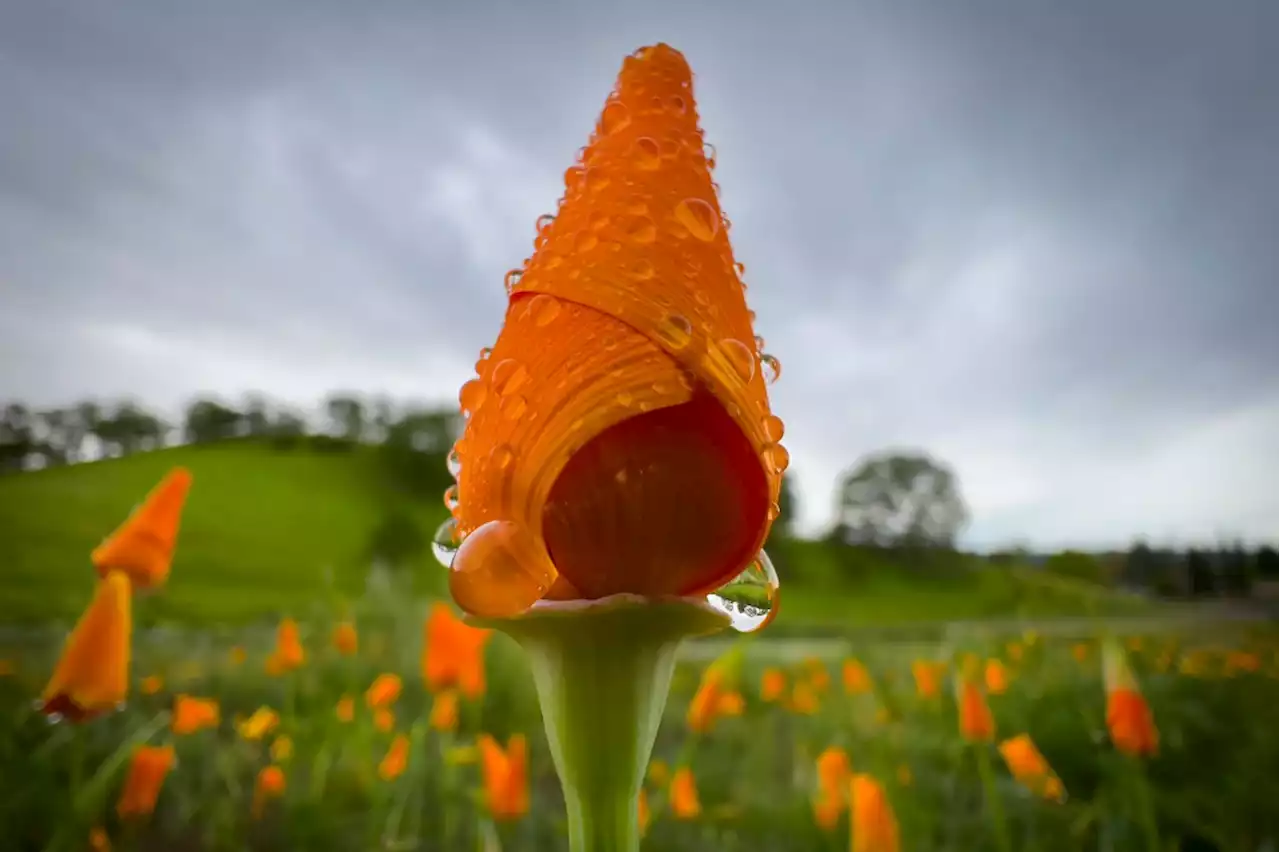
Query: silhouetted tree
x,y
414,452
257,418
1266,563
895,499
346,416
1200,574
208,420
16,440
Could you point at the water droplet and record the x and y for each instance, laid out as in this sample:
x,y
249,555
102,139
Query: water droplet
x,y
573,179
500,570
501,456
642,269
615,117
770,367
51,718
509,375
676,104
512,279
596,180
451,497
472,396
444,544
544,221
647,154
775,458
637,207
750,599
709,151
774,511
485,352
640,229
759,343
452,462
676,331
586,241
699,218
624,398
544,309
774,428
741,357
513,405
599,221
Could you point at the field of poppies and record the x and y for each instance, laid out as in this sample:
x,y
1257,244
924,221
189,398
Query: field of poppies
x,y
384,724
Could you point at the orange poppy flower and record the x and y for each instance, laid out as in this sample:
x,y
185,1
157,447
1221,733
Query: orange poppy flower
x,y
383,692
237,655
143,545
270,784
262,722
642,812
345,639
281,749
976,722
856,679
658,772
99,841
684,794
346,708
289,653
874,826
819,677
1133,730
384,720
147,770
996,676
619,435
1029,767
927,675
151,684
444,711
453,653
833,787
804,699
396,759
92,675
711,701
191,714
506,779
773,685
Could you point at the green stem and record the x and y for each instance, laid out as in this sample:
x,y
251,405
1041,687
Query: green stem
x,y
1146,807
603,670
995,808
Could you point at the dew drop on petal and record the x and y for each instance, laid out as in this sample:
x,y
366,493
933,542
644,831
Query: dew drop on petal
x,y
544,309
444,544
741,357
508,376
750,599
451,497
615,117
739,269
596,180
472,396
774,428
452,462
500,570
513,406
774,511
770,367
676,331
709,152
512,279
775,458
676,104
640,229
642,269
500,456
759,343
573,179
699,218
586,241
544,221
647,154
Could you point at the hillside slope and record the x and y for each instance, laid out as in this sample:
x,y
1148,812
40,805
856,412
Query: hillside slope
x,y
262,529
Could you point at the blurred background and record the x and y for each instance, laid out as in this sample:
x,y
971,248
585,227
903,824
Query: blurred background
x,y
1016,261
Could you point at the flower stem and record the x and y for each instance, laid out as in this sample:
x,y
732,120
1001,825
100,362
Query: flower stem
x,y
995,809
603,670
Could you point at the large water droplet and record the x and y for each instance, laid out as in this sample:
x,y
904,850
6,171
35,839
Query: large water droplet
x,y
759,343
750,599
501,456
648,155
741,357
471,396
573,179
509,375
544,221
586,241
500,570
543,309
513,406
512,279
444,544
676,330
774,428
775,458
709,151
452,462
615,117
770,367
676,104
699,218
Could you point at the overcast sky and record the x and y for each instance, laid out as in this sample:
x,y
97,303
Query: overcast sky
x,y
1036,239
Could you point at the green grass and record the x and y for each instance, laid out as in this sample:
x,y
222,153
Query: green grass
x,y
264,531
269,531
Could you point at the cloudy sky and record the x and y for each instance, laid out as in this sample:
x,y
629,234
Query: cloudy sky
x,y
1035,238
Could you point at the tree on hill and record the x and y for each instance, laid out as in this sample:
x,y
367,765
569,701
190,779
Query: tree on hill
x,y
900,500
1266,563
413,455
346,416
208,420
1077,565
16,440
257,415
1200,574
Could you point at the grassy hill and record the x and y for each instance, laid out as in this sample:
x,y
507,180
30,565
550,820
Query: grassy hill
x,y
261,530
268,531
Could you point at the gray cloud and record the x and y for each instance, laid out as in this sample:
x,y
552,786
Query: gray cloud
x,y
1032,237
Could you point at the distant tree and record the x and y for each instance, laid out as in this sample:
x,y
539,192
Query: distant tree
x,y
208,420
346,416
1236,571
413,455
1200,574
382,418
1266,563
130,429
16,439
895,499
1140,565
257,418
1077,565
53,444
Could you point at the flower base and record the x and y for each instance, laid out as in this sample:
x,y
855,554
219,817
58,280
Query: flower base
x,y
603,670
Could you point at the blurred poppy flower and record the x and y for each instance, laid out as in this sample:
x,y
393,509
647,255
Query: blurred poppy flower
x,y
92,675
383,692
833,787
262,722
396,759
1029,767
345,639
684,794
619,435
773,685
289,653
874,826
506,779
996,676
976,722
1133,730
270,784
148,768
142,547
191,714
453,653
345,709
856,679
444,711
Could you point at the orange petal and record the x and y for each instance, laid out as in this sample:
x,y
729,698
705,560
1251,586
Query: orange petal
x,y
143,545
622,414
92,676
